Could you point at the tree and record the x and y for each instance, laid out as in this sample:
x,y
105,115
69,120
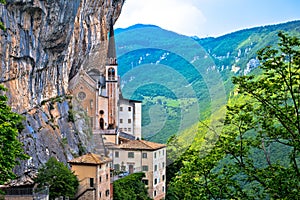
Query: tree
x,y
2,27
10,147
130,188
257,154
56,175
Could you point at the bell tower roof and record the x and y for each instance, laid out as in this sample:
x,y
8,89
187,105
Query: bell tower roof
x,y
111,53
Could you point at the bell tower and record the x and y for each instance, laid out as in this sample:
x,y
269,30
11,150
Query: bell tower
x,y
111,74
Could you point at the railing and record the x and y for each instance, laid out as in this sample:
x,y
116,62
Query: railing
x,y
35,193
19,191
107,131
41,194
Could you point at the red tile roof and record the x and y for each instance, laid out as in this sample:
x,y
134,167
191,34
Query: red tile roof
x,y
90,158
141,144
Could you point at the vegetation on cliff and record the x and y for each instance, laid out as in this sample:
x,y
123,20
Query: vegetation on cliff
x,y
257,154
10,146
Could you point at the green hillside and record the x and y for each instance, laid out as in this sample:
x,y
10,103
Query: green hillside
x,y
183,80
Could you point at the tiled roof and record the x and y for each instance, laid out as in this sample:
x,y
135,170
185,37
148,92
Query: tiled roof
x,y
90,158
126,136
141,144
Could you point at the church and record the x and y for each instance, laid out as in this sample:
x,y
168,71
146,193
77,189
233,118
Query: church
x,y
98,91
116,125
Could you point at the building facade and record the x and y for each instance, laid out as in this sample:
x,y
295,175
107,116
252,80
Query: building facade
x,y
93,173
98,91
142,156
117,121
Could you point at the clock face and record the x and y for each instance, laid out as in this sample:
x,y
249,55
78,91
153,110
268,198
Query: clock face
x,y
81,96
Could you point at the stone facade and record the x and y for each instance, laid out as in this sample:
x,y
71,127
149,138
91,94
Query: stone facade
x,y
142,156
98,92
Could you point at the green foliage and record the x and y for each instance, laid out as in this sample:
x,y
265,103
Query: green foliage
x,y
56,175
2,27
174,151
10,147
261,121
130,188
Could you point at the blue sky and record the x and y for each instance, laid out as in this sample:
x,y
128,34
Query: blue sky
x,y
205,18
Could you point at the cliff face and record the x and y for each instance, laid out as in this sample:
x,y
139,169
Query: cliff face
x,y
43,47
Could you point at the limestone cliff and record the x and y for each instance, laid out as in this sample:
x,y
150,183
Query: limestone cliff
x,y
44,45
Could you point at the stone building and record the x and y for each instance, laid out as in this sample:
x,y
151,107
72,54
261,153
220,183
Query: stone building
x,y
98,91
93,173
116,123
142,156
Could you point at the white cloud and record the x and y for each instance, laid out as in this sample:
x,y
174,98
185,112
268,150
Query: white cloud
x,y
181,16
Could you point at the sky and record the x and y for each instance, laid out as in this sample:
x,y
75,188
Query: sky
x,y
205,18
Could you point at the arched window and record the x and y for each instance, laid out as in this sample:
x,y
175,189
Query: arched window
x,y
111,73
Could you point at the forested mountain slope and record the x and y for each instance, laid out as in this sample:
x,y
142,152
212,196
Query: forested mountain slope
x,y
182,80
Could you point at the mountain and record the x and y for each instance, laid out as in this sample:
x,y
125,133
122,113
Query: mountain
x,y
182,79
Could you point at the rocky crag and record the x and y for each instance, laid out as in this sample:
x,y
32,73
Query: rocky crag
x,y
44,45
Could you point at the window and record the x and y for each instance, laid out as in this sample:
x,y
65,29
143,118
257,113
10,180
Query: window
x,y
155,155
163,177
91,103
163,152
106,176
145,181
117,167
155,181
81,96
129,108
107,193
123,168
111,73
144,155
129,129
130,154
154,192
163,189
100,179
145,168
163,165
129,121
91,182
117,154
121,108
125,129
100,194
155,167
121,121
91,121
